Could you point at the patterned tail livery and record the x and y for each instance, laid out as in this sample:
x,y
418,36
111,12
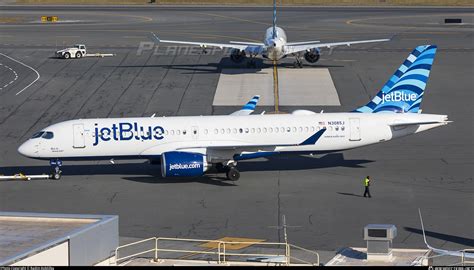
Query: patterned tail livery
x,y
404,91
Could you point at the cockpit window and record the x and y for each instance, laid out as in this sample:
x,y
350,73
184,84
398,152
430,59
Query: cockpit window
x,y
37,134
48,135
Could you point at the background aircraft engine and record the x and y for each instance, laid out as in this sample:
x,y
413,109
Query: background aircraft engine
x,y
183,164
237,56
312,56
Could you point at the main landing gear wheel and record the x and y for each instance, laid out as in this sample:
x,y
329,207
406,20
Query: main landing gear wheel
x,y
233,174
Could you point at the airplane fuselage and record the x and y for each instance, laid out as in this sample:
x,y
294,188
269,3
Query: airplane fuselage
x,y
144,138
274,46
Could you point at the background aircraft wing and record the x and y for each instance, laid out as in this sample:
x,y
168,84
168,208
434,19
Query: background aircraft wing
x,y
250,48
299,48
302,43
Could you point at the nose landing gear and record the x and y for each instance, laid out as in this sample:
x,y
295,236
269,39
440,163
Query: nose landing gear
x,y
56,172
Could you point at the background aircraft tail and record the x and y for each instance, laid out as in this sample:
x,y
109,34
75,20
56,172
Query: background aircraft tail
x,y
404,91
274,18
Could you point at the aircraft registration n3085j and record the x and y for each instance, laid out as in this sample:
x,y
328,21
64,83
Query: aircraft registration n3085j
x,y
191,145
274,46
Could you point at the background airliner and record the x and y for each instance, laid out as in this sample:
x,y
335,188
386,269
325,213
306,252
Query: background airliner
x,y
191,145
274,46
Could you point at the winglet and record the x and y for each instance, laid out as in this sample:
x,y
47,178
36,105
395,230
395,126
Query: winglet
x,y
252,103
249,107
156,37
314,138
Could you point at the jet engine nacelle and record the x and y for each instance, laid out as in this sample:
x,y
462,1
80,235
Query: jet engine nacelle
x,y
183,164
312,56
237,56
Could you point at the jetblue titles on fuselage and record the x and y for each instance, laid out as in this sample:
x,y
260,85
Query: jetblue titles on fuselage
x,y
125,131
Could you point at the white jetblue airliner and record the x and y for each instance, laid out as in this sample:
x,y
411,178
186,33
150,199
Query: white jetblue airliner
x,y
191,145
274,46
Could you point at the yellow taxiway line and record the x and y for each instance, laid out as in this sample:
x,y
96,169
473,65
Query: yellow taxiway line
x,y
275,86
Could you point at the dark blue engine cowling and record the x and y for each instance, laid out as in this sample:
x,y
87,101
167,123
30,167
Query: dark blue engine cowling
x,y
183,164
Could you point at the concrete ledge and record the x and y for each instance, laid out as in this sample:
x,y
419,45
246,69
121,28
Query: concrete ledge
x,y
297,87
261,2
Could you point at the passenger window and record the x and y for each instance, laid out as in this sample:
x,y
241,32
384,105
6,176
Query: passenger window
x,y
216,131
206,131
246,130
294,129
222,131
312,129
184,132
301,129
259,130
270,130
178,132
306,129
172,132
228,131
264,130
241,130
234,130
252,130
282,129
288,129
276,130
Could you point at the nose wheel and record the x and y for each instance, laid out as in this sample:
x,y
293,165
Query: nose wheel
x,y
56,172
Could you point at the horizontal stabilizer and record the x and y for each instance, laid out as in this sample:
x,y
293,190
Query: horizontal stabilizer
x,y
418,123
247,43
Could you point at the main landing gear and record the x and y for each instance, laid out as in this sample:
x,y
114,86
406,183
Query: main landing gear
x,y
230,171
56,172
298,63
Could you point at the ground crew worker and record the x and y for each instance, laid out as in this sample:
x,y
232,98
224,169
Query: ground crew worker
x,y
367,184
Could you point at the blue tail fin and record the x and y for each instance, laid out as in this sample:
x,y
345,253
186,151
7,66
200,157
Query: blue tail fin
x,y
274,18
404,91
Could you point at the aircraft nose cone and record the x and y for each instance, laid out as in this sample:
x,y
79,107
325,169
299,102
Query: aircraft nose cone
x,y
26,149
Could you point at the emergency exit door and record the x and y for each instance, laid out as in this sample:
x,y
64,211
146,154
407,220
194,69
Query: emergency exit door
x,y
78,136
354,129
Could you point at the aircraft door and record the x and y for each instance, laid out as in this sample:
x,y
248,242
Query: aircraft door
x,y
195,132
78,136
354,129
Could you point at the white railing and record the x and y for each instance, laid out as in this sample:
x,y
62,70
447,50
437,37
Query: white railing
x,y
463,261
222,254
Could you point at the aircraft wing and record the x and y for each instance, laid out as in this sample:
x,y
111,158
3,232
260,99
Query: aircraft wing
x,y
304,47
243,47
234,145
249,107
